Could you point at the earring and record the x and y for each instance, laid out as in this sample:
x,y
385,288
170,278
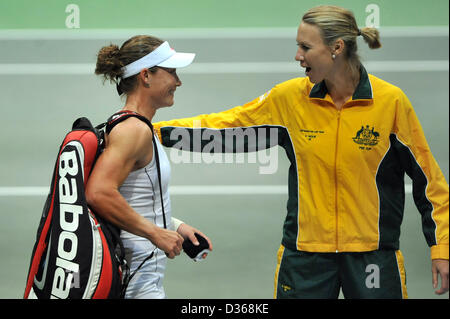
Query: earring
x,y
333,56
146,85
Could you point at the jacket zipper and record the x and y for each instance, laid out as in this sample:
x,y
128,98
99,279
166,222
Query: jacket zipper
x,y
336,178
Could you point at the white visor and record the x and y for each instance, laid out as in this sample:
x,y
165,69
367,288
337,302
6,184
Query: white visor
x,y
163,56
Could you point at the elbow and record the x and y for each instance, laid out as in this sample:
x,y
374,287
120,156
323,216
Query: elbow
x,y
94,199
103,203
91,198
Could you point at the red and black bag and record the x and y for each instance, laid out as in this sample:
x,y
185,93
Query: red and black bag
x,y
77,254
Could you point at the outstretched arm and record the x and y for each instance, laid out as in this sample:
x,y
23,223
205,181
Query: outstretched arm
x,y
239,129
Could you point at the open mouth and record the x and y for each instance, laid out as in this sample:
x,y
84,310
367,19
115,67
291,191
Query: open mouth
x,y
308,69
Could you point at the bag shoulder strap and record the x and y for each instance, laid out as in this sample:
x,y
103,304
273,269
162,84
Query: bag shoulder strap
x,y
158,168
121,116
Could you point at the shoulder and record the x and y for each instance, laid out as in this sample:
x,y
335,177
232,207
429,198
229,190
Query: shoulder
x,y
294,83
131,127
131,136
383,87
295,86
390,94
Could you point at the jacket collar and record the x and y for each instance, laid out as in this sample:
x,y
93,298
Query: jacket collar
x,y
363,90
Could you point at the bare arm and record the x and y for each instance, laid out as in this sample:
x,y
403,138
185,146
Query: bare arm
x,y
127,149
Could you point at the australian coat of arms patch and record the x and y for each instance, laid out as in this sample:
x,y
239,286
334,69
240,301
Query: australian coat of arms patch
x,y
366,136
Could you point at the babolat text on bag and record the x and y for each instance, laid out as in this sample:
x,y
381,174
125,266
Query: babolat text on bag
x,y
76,254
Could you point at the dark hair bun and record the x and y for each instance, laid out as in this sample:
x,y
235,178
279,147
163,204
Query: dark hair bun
x,y
108,63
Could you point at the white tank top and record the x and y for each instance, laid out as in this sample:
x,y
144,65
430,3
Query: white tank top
x,y
142,192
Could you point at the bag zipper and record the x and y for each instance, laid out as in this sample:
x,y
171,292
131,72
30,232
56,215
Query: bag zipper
x,y
97,257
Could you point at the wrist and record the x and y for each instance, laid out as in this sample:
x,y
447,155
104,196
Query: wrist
x,y
176,223
152,232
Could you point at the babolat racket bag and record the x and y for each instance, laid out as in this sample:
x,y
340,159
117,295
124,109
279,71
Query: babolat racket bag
x,y
76,254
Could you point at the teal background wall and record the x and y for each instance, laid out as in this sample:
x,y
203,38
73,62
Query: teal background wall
x,y
50,14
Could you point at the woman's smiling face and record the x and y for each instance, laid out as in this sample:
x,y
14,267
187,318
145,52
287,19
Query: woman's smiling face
x,y
163,84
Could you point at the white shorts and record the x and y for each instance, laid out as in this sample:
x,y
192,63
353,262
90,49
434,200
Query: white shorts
x,y
147,283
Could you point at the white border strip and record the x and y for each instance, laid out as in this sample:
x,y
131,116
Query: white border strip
x,y
178,190
200,33
24,191
223,67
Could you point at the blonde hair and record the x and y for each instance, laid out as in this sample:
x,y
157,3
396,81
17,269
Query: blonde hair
x,y
338,23
111,59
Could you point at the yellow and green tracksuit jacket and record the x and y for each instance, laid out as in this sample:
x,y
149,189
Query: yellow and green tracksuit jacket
x,y
346,178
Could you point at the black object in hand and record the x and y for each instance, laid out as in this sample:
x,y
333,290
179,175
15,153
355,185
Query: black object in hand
x,y
196,252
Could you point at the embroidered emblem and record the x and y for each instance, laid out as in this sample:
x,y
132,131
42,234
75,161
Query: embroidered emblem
x,y
286,288
366,136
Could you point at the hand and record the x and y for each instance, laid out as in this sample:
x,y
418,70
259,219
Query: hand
x,y
169,241
440,267
188,231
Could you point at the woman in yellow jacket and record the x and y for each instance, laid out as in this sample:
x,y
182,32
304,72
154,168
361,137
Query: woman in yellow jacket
x,y
350,138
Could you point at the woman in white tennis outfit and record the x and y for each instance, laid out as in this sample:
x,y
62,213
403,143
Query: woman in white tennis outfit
x,y
124,187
